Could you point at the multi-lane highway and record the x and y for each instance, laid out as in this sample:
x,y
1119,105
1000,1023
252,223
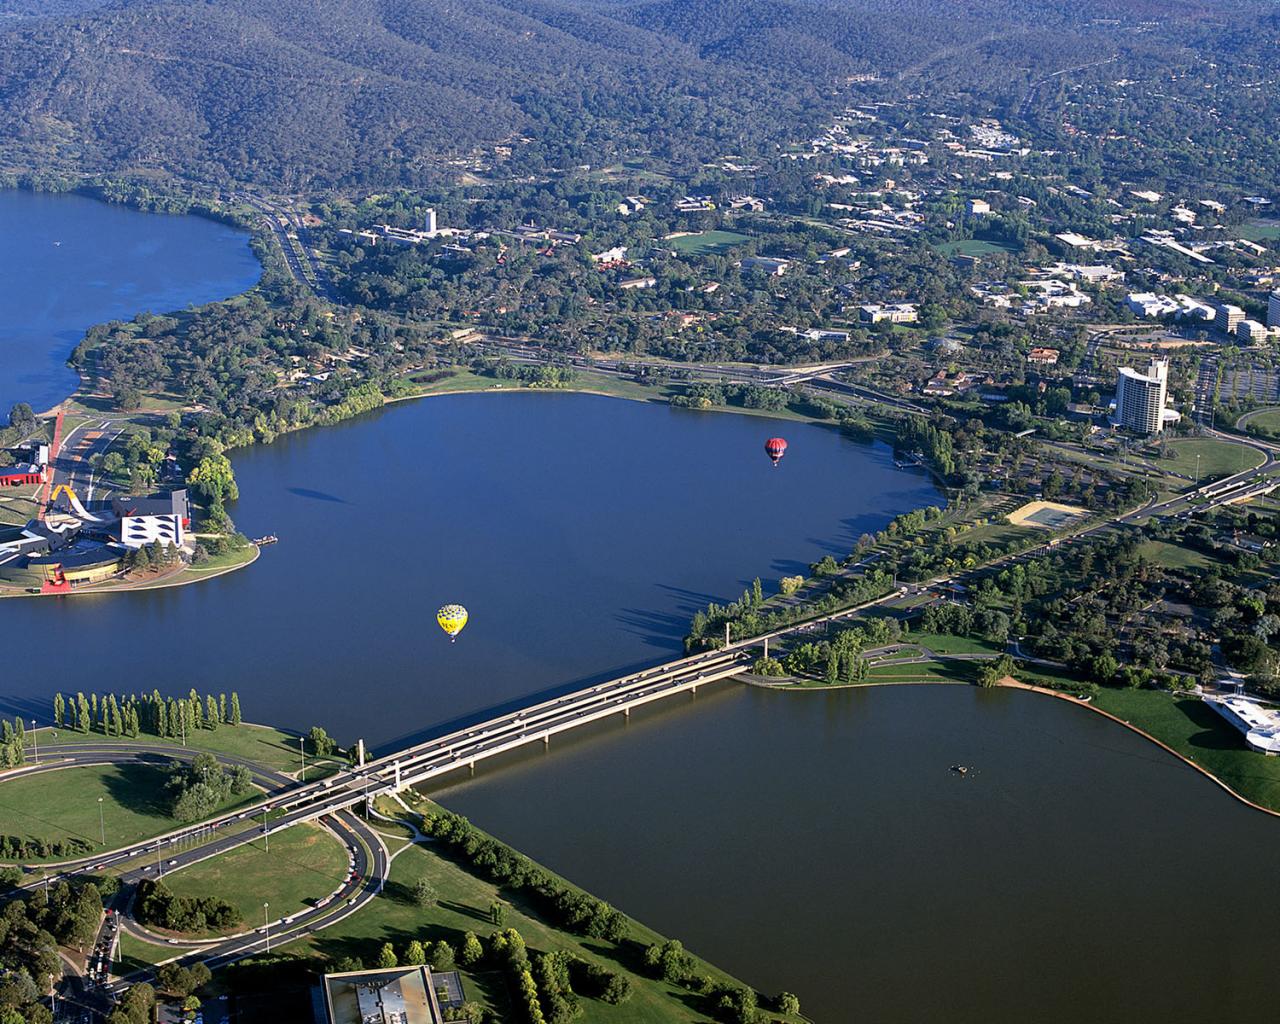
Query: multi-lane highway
x,y
368,863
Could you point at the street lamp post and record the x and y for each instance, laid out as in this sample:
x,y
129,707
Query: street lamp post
x,y
266,836
302,745
102,822
35,742
266,925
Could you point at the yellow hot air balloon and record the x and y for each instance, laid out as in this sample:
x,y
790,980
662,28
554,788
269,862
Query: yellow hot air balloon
x,y
452,618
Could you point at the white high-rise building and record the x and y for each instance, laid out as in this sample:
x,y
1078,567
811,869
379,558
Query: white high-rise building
x,y
1273,309
1228,318
431,222
1140,397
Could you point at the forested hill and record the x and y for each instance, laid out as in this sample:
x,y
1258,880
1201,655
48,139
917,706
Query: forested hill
x,y
377,92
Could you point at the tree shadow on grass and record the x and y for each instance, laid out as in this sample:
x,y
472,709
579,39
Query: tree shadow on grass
x,y
462,910
629,956
138,787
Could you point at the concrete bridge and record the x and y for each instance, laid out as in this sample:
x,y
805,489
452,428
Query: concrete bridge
x,y
465,748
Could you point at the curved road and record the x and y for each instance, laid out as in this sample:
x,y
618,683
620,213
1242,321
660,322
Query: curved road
x,y
368,860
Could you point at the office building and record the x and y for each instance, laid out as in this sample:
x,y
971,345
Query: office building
x,y
1140,398
1228,317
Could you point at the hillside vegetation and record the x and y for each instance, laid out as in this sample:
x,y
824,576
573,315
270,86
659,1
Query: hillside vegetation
x,y
382,92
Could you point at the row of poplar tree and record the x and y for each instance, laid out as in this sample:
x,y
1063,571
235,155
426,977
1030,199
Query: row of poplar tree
x,y
167,717
13,739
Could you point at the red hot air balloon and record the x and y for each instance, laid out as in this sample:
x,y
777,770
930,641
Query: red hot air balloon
x,y
775,448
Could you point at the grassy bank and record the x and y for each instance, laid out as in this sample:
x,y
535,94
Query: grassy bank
x,y
1200,734
463,905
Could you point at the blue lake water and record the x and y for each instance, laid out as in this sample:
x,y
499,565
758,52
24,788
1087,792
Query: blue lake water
x,y
581,533
70,262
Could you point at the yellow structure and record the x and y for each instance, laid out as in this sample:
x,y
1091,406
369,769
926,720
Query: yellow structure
x,y
452,619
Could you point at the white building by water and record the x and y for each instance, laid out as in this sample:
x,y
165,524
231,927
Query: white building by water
x,y
1260,723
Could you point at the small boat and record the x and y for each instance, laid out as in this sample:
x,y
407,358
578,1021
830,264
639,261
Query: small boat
x,y
270,538
960,769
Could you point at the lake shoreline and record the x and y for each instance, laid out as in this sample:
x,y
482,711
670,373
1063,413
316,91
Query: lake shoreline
x,y
1013,684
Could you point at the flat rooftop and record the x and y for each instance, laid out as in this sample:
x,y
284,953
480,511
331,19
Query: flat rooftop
x,y
1259,722
402,995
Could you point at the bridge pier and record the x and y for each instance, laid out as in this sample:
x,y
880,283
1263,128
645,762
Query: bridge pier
x,y
766,648
472,766
546,739
397,768
626,712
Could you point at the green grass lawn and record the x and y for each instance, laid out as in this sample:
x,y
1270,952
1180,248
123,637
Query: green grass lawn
x,y
465,380
305,863
265,746
463,906
63,804
1177,556
1199,733
18,509
1174,556
975,247
706,243
1217,458
132,954
1268,422
1261,230
926,671
942,643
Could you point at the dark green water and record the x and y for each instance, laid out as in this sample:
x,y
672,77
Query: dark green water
x,y
818,843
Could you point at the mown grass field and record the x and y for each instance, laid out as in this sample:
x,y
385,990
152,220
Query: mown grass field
x,y
63,804
706,243
1217,458
260,744
1265,422
1261,230
975,247
305,863
132,954
925,671
943,643
1175,556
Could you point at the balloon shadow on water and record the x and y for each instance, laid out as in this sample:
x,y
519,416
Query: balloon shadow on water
x,y
306,492
689,600
657,629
